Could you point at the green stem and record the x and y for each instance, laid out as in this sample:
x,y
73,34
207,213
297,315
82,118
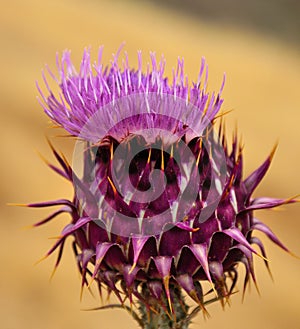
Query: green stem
x,y
158,317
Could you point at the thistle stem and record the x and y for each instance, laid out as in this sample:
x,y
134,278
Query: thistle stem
x,y
155,315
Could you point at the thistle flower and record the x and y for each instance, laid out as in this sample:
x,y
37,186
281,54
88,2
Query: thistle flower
x,y
160,203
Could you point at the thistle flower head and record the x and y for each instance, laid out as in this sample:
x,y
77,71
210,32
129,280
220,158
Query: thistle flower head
x,y
160,203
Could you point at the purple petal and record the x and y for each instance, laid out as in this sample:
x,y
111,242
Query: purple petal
x,y
249,257
266,203
186,282
60,202
129,275
200,251
220,244
186,227
155,288
187,262
96,233
255,240
53,215
101,251
257,225
237,235
172,241
163,265
143,248
255,178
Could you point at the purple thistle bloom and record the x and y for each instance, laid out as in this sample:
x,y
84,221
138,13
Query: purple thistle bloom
x,y
160,202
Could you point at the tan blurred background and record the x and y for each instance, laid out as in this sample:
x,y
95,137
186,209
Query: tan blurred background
x,y
258,47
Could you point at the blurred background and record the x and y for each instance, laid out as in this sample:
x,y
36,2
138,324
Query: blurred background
x,y
257,44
